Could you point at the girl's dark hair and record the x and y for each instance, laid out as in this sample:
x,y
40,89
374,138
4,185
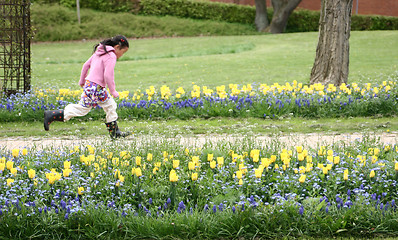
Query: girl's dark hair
x,y
117,40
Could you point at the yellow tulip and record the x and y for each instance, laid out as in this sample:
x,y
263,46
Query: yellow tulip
x,y
396,166
305,152
194,176
209,157
329,166
299,149
336,160
302,178
376,151
121,178
154,170
372,174
117,173
9,181
24,151
14,171
191,165
300,157
265,162
15,152
138,161
2,166
176,163
325,170
220,161
66,164
212,164
240,181
330,153
173,176
239,174
149,157
258,173
51,179
346,174
80,190
138,172
9,165
31,173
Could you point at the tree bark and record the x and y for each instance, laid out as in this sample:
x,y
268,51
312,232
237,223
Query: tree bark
x,y
282,11
261,20
332,54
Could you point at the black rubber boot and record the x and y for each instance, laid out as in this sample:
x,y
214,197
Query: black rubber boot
x,y
51,116
114,131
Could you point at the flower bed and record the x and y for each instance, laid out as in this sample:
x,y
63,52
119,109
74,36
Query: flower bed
x,y
257,100
246,189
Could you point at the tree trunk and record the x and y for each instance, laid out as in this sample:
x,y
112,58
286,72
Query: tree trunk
x,y
261,20
332,54
282,11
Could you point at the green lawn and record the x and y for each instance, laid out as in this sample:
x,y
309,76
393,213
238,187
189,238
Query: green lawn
x,y
213,61
209,127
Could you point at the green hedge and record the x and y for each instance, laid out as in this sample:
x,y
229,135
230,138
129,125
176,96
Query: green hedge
x,y
199,10
299,21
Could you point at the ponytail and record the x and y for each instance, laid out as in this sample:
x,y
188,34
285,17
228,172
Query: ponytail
x,y
117,40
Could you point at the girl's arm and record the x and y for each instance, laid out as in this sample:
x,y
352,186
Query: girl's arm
x,y
109,75
83,75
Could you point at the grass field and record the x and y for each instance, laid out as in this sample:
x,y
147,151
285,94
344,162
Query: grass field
x,y
207,127
213,61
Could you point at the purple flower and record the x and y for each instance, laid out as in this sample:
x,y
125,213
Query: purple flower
x,y
62,204
66,215
206,207
181,206
150,201
301,210
214,209
221,207
233,209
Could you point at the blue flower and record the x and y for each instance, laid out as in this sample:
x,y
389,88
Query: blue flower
x,y
206,207
301,210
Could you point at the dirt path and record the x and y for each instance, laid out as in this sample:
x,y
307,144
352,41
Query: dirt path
x,y
309,140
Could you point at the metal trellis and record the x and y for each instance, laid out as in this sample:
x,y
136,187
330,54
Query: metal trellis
x,y
15,46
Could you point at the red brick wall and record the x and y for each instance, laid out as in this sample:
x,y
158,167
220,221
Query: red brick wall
x,y
366,7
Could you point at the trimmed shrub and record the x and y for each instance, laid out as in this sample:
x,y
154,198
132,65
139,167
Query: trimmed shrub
x,y
299,21
199,10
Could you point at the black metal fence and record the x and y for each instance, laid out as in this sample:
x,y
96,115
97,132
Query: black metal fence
x,y
15,35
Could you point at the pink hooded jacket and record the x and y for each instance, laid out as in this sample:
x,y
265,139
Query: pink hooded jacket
x,y
102,66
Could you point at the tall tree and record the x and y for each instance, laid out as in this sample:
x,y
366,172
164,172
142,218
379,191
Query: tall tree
x,y
282,11
261,20
332,53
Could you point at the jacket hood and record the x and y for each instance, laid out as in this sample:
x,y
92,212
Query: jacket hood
x,y
100,50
